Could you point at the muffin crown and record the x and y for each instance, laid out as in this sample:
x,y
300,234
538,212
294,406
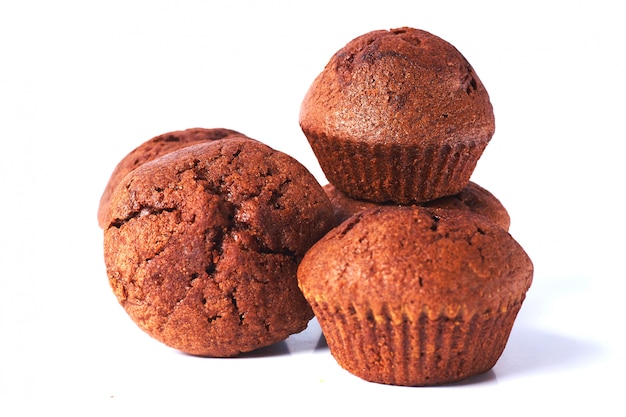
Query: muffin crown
x,y
241,180
472,198
411,77
155,148
438,262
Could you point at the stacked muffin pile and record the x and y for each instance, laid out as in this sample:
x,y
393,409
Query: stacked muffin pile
x,y
218,244
406,294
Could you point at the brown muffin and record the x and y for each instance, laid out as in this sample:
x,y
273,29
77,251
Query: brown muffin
x,y
201,245
152,149
398,116
415,296
472,198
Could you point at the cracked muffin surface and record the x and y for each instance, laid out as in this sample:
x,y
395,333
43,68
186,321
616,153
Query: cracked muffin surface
x,y
152,149
202,245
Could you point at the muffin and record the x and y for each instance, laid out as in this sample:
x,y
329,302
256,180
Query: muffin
x,y
202,245
397,116
415,296
152,149
472,198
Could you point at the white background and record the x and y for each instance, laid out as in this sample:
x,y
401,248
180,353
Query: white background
x,y
83,82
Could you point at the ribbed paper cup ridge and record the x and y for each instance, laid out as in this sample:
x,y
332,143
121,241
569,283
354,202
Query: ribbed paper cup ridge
x,y
387,172
391,346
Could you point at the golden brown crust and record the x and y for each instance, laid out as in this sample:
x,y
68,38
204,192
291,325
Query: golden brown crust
x,y
152,149
472,198
201,245
412,273
398,116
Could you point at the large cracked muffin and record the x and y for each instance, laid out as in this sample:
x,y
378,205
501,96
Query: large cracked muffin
x,y
397,116
407,295
202,245
473,198
152,149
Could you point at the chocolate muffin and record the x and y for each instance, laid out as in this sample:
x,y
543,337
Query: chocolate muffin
x,y
202,245
472,198
415,296
152,149
397,116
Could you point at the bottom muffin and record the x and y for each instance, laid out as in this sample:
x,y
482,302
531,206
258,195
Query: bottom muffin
x,y
415,296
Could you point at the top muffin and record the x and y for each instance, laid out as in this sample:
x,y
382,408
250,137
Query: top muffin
x,y
400,98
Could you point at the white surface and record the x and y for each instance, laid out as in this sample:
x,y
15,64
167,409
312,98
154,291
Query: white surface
x,y
82,83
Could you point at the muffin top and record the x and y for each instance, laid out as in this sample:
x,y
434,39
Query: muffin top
x,y
472,198
202,244
425,261
152,149
398,86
